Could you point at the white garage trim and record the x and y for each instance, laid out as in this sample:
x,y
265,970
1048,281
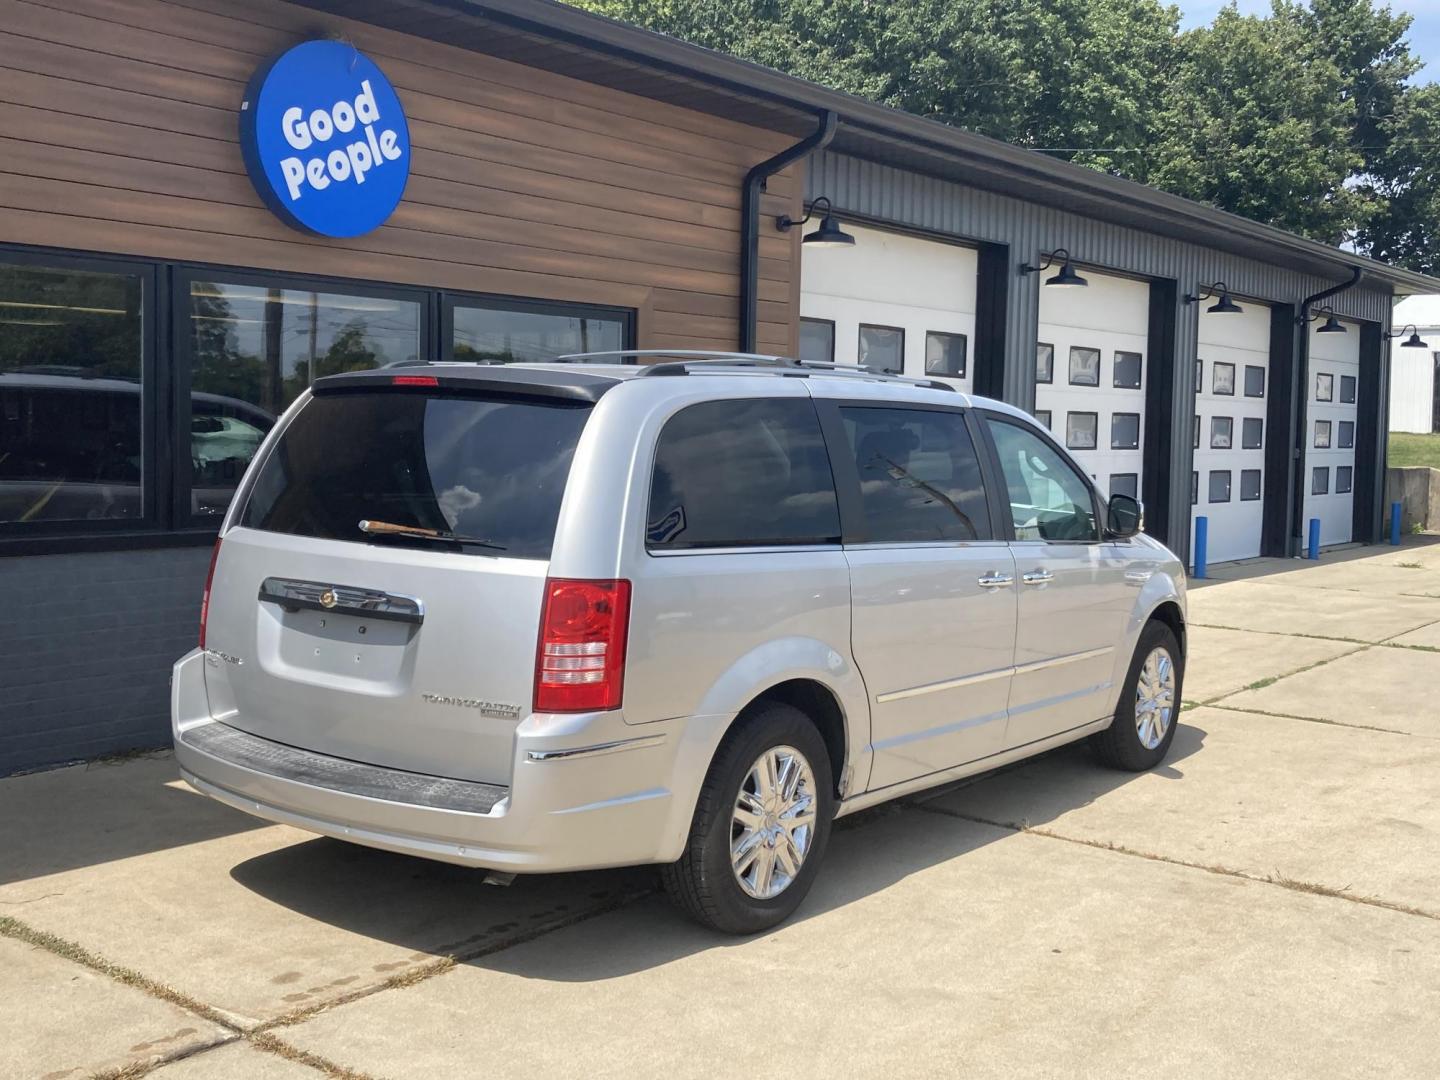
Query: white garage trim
x,y
1331,416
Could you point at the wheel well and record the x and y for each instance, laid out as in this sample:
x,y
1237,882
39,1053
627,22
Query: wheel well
x,y
820,705
1169,614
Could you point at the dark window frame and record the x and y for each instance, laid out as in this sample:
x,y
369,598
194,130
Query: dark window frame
x,y
1049,418
964,353
1329,435
1139,383
1210,499
1263,379
1070,365
1229,420
860,334
165,384
1138,424
1260,485
1315,474
1329,378
1082,412
1124,476
1051,380
823,322
1353,383
1245,425
1348,471
450,299
1344,427
1215,366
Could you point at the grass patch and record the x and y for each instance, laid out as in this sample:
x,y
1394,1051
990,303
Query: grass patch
x,y
1408,449
1410,565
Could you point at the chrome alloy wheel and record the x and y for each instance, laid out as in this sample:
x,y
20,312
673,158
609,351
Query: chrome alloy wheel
x,y
773,823
1155,698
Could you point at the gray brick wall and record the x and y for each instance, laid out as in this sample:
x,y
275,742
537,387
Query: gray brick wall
x,y
86,645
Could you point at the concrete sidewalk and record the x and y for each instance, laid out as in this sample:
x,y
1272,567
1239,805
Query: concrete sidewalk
x,y
1266,904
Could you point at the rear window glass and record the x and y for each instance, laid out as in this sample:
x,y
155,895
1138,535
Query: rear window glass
x,y
742,474
488,469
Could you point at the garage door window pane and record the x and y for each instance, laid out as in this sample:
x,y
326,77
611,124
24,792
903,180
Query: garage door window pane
x,y
1220,486
256,349
1222,432
817,340
1125,431
1081,429
1346,434
945,354
1343,474
1043,415
1252,433
1324,386
1322,434
1222,379
1320,481
742,474
1125,484
1254,381
70,370
1127,370
883,347
1199,375
1194,488
1048,499
1249,485
507,334
919,476
1044,363
1195,430
1347,389
1084,366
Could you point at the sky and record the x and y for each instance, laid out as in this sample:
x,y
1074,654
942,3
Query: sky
x,y
1424,32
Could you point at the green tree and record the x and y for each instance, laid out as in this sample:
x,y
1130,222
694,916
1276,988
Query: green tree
x,y
1404,185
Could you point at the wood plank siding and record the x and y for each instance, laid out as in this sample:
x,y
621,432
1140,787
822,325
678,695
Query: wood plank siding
x,y
118,134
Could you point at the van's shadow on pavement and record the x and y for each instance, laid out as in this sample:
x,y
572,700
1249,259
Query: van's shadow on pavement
x,y
441,909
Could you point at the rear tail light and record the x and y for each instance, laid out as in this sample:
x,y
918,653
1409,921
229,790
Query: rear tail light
x,y
580,661
205,600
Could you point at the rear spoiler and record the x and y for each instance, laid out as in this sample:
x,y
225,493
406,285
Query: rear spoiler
x,y
487,380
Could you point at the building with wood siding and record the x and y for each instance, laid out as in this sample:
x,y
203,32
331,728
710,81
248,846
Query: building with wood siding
x,y
574,183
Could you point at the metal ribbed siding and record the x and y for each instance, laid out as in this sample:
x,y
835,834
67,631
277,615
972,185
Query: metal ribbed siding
x,y
883,193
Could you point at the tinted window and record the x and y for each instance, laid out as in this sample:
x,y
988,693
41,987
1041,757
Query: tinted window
x,y
492,470
1125,484
1043,415
515,333
945,354
1343,474
1254,381
1127,370
919,475
1347,389
1220,486
742,474
1320,481
817,340
1222,432
1048,499
70,368
1124,431
1347,434
1252,433
883,347
1249,484
1081,429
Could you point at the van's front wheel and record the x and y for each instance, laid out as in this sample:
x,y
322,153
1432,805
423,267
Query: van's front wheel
x,y
761,825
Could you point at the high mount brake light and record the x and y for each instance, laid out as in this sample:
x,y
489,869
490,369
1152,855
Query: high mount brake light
x,y
414,380
580,658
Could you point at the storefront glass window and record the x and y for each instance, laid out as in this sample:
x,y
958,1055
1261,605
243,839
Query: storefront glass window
x,y
71,352
255,349
505,334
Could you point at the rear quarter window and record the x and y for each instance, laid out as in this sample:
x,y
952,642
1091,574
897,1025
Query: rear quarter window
x,y
488,468
743,473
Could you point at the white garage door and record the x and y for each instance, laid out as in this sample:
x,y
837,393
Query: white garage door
x,y
1090,372
1232,379
894,301
1331,412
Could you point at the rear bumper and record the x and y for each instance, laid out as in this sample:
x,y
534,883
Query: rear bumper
x,y
585,792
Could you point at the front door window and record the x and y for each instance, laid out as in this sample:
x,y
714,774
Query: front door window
x,y
1048,499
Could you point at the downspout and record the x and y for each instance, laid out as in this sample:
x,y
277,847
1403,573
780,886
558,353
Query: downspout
x,y
750,222
1302,403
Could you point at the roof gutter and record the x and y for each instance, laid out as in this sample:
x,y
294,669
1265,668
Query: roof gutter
x,y
753,188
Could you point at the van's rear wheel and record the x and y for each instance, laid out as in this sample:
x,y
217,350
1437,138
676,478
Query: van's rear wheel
x,y
1144,724
761,825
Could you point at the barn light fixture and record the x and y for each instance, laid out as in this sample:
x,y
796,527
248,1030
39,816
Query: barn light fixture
x,y
1224,306
1067,278
828,235
1412,342
1332,324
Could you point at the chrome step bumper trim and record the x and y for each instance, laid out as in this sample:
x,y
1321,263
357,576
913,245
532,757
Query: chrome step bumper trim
x,y
248,751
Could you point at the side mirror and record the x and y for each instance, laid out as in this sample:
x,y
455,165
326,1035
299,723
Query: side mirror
x,y
1124,518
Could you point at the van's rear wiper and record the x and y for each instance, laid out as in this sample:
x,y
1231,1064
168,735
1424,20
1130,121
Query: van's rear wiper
x,y
387,528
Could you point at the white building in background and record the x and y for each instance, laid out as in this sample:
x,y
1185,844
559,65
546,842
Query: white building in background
x,y
1414,388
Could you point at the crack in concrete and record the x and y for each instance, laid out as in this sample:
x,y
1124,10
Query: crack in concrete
x,y
1277,879
1319,720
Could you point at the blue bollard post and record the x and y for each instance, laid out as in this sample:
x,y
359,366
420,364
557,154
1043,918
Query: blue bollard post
x,y
1202,535
1395,508
1312,550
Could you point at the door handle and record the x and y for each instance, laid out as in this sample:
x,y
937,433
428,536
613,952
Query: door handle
x,y
1038,577
992,580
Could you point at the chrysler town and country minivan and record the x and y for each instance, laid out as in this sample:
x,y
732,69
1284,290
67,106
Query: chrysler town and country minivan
x,y
548,617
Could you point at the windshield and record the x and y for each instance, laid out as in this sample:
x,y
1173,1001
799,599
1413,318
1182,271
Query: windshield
x,y
484,468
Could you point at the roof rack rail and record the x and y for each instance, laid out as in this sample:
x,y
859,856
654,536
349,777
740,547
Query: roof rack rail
x,y
704,358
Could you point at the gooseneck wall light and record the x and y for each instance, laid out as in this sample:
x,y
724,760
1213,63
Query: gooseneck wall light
x,y
1067,278
1223,306
828,235
1412,342
1332,324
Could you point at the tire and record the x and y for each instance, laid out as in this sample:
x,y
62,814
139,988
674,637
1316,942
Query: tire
x,y
703,883
1127,743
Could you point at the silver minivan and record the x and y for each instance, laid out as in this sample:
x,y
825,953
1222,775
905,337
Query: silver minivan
x,y
548,617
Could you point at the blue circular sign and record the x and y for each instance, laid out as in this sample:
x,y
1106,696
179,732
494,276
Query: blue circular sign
x,y
325,140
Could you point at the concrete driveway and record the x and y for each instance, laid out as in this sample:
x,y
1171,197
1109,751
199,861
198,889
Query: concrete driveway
x,y
1266,904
